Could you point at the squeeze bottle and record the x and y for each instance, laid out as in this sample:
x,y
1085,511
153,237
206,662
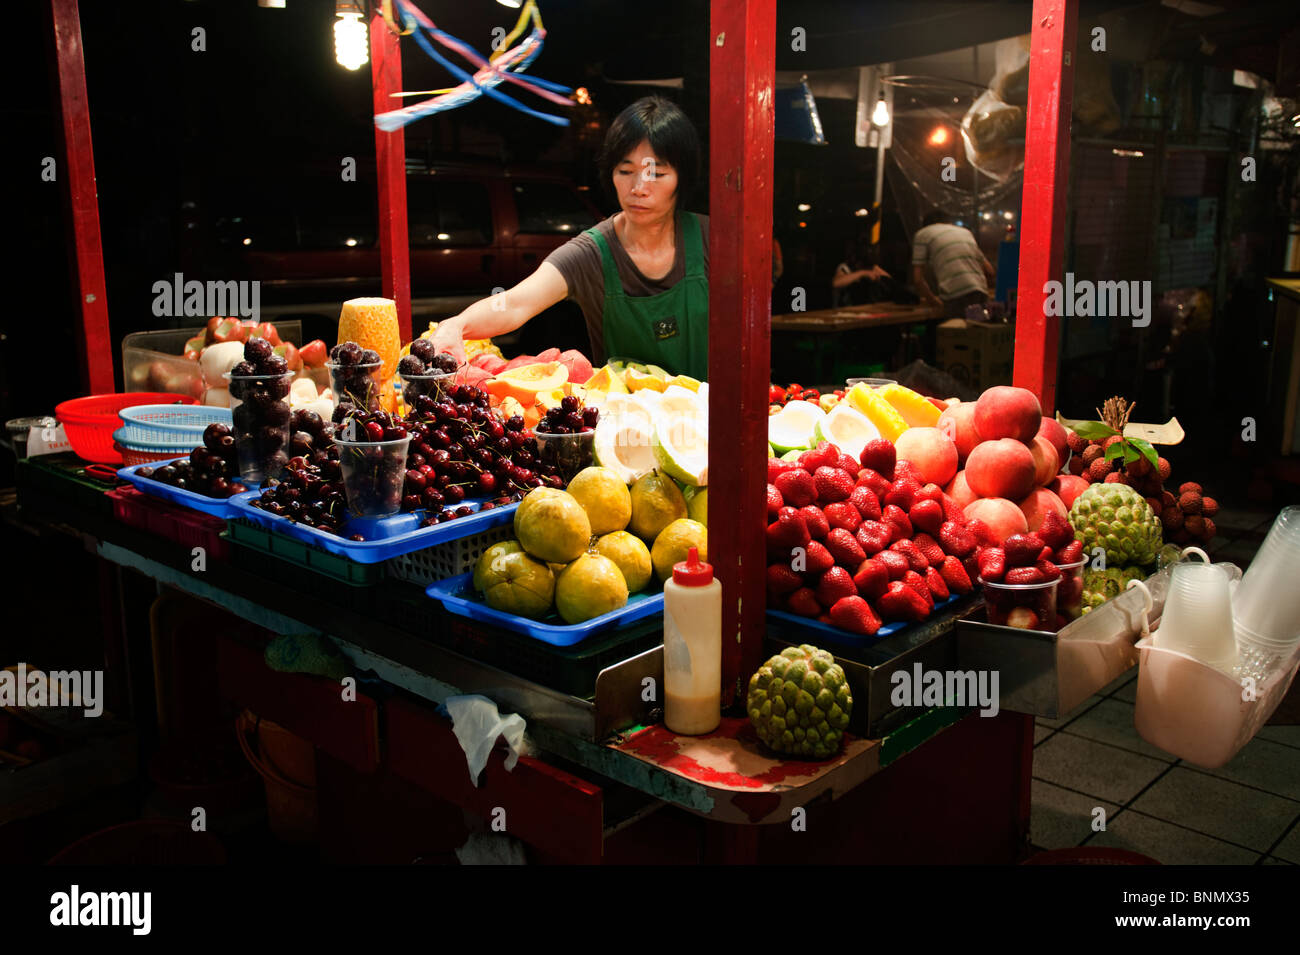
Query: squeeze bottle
x,y
692,648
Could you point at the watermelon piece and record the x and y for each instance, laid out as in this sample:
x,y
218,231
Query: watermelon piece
x,y
579,367
469,375
492,364
551,354
521,360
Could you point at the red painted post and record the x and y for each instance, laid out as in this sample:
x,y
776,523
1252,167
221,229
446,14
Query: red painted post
x,y
1047,179
390,162
94,345
742,62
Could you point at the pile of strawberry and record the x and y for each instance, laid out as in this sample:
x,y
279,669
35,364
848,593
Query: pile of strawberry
x,y
1032,558
778,396
855,543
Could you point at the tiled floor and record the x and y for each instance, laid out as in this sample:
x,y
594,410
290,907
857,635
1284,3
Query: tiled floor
x,y
1097,783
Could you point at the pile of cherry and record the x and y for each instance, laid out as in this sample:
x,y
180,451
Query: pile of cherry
x,y
211,470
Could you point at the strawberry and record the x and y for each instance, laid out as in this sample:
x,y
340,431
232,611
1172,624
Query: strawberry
x,y
956,539
1056,530
952,511
774,502
902,492
906,469
954,575
815,518
934,580
872,579
931,492
825,455
782,580
1044,554
832,485
929,548
834,584
797,487
818,559
1049,570
874,536
848,465
803,602
845,548
983,533
917,583
826,619
788,530
1024,575
844,514
915,559
855,615
1071,553
1022,549
895,564
971,565
897,520
776,467
865,500
926,515
875,481
879,455
901,602
993,564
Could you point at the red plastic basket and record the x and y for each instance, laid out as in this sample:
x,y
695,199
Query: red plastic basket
x,y
185,527
131,457
90,421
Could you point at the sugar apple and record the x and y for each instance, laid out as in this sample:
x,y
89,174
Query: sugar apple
x,y
1116,518
799,702
1102,585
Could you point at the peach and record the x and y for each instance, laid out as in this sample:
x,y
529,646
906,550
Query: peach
x,y
1046,461
1002,516
932,451
1007,412
958,423
1036,505
960,491
1001,468
1067,487
1054,431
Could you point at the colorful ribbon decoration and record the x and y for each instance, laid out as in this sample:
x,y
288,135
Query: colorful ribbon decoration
x,y
505,65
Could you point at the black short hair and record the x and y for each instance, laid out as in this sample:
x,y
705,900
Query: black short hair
x,y
935,216
670,133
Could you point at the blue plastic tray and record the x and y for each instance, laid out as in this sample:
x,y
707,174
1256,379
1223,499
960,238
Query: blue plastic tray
x,y
217,507
457,595
836,635
386,537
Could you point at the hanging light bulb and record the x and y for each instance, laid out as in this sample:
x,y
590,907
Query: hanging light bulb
x,y
512,4
880,115
351,37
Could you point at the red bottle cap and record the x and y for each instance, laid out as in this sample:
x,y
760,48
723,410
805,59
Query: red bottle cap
x,y
693,572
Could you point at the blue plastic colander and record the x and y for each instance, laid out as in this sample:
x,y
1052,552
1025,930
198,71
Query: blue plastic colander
x,y
159,427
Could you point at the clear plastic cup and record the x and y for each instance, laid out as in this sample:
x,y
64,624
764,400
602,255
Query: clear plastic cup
x,y
1069,594
869,382
1023,606
1267,601
358,384
373,473
434,386
1197,617
567,453
259,411
20,428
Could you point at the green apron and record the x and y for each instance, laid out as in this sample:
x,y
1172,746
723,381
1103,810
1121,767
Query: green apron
x,y
670,329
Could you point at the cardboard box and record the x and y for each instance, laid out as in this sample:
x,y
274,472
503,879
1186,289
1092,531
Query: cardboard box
x,y
977,354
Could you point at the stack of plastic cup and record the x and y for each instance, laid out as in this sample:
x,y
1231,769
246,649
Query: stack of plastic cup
x,y
1266,606
1197,618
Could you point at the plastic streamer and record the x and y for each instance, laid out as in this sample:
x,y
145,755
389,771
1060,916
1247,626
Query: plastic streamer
x,y
505,65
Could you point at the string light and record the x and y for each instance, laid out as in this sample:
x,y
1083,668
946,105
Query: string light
x,y
351,37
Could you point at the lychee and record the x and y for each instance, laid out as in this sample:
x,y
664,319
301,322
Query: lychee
x,y
1211,531
1190,487
1139,468
1098,470
1189,502
1074,442
1111,440
1077,467
1154,504
1163,469
1092,453
1116,477
1209,507
1167,499
1195,525
1171,518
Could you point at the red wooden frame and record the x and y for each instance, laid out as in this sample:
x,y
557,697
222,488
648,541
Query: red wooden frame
x,y
742,60
390,161
1046,181
94,345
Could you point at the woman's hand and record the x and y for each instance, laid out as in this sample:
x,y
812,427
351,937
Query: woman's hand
x,y
449,337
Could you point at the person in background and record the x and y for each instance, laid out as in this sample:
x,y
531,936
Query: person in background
x,y
859,278
950,255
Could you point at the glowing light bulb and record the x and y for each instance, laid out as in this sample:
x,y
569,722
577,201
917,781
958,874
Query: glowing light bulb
x,y
351,42
880,115
939,136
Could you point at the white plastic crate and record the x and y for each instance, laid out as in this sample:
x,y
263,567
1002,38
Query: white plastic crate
x,y
449,559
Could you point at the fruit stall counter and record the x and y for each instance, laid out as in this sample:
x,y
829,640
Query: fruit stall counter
x,y
596,752
823,329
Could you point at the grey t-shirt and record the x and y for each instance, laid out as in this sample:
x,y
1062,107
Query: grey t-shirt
x,y
578,260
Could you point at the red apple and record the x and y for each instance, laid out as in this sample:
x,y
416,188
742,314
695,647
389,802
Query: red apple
x,y
1003,517
1007,412
932,451
1001,468
1036,505
1067,487
314,354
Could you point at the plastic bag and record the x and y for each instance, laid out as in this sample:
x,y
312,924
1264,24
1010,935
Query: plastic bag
x,y
477,724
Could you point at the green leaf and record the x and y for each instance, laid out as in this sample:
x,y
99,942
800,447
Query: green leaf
x,y
1148,452
1091,430
1115,450
1130,452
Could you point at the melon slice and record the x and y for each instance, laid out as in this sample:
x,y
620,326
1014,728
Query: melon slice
x,y
624,439
607,379
524,382
794,426
846,428
681,446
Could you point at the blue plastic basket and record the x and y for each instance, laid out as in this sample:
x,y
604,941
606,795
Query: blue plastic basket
x,y
458,596
217,507
833,634
165,427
